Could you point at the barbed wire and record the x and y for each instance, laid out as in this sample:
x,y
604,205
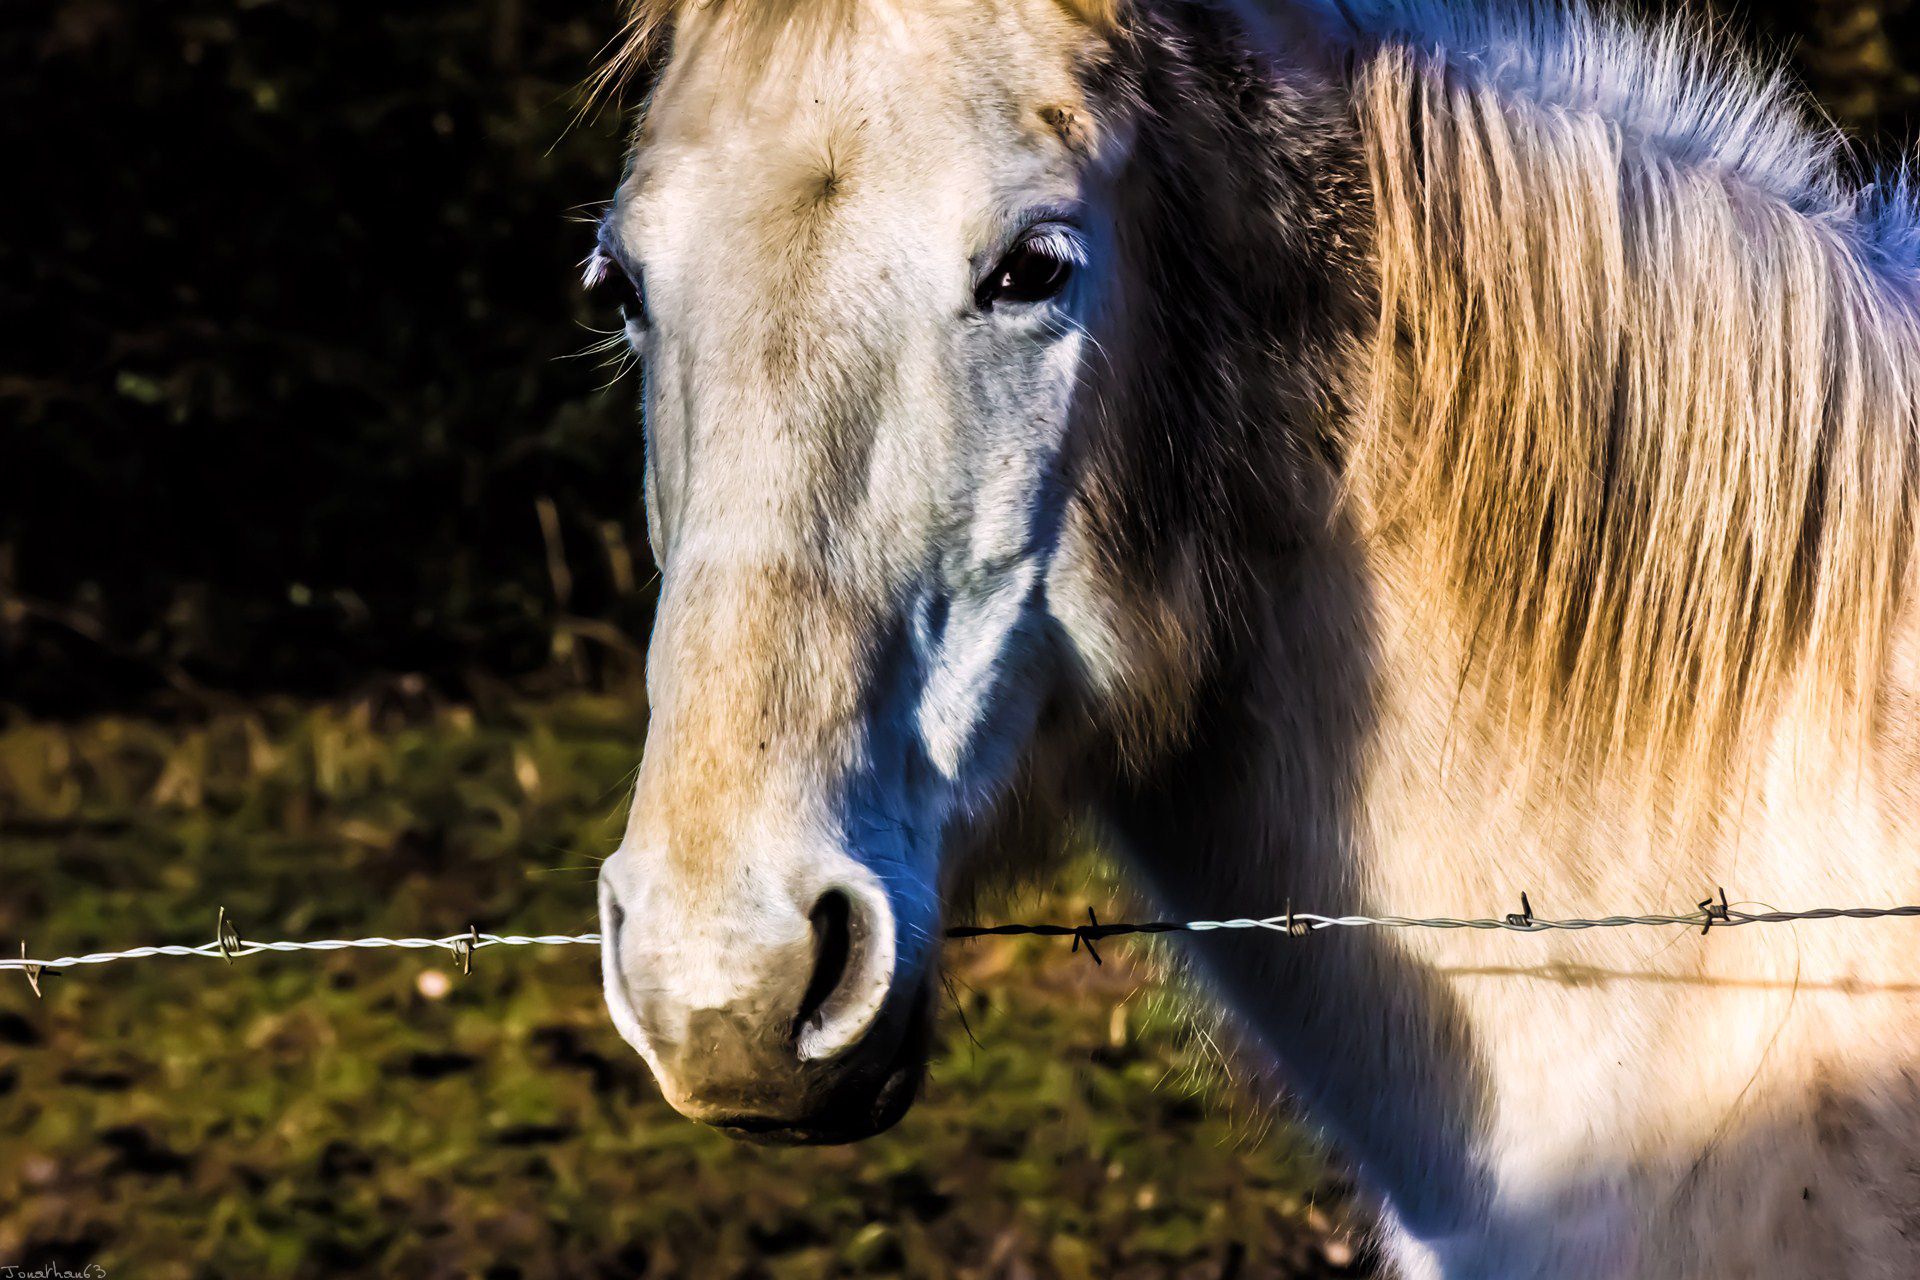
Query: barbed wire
x,y
1709,912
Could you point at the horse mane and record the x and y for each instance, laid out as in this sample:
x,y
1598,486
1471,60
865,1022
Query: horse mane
x,y
1644,380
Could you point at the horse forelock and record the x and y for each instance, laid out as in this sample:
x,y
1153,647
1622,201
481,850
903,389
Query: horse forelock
x,y
648,23
1643,383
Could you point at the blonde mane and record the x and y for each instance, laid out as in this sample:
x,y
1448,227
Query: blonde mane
x,y
1644,380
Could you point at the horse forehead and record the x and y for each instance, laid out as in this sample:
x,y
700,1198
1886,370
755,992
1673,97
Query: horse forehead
x,y
835,182
841,205
891,97
838,157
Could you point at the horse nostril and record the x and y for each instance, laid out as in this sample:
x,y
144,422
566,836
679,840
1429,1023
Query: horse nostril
x,y
616,921
832,946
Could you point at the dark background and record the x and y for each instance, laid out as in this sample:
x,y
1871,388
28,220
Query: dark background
x,y
287,290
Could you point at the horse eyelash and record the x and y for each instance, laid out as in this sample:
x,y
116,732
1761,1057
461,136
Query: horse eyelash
x,y
1059,243
594,268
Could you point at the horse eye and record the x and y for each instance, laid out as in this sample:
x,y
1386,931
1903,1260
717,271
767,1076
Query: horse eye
x,y
1037,269
607,278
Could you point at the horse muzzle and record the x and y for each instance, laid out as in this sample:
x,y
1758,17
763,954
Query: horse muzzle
x,y
779,1018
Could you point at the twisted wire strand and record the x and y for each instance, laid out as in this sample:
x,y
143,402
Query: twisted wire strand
x,y
1709,915
247,947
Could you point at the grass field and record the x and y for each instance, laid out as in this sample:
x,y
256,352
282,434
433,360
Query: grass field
x,y
378,1113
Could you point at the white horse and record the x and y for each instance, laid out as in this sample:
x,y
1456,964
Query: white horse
x,y
1378,459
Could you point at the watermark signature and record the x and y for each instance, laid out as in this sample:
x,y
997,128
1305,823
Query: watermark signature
x,y
51,1271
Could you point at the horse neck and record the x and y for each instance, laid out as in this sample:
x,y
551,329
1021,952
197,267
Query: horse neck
x,y
1340,755
1329,769
1262,806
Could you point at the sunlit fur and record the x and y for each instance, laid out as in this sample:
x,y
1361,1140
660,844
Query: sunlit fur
x,y
1480,459
1650,394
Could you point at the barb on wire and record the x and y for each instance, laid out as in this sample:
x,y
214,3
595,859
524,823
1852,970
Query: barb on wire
x,y
226,936
31,968
229,945
463,949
